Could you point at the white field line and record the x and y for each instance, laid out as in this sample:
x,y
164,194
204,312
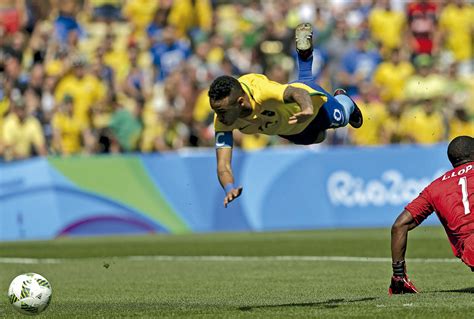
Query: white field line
x,y
12,260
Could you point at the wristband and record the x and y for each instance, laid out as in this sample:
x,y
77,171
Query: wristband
x,y
399,268
228,187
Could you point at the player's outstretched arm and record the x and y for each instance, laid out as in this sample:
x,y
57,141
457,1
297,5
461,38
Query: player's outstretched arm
x,y
400,283
224,173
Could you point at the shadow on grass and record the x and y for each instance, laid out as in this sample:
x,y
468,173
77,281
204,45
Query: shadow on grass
x,y
331,303
469,290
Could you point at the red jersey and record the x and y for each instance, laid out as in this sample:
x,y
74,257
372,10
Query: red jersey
x,y
451,196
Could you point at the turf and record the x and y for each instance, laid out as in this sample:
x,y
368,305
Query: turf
x,y
89,282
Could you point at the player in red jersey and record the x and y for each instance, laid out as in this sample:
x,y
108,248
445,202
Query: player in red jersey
x,y
451,196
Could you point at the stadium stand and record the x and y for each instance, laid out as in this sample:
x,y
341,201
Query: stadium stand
x,y
109,76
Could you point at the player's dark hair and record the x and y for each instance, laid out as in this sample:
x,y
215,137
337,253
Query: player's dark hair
x,y
461,150
223,86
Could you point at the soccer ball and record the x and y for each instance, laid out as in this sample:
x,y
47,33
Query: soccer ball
x,y
30,293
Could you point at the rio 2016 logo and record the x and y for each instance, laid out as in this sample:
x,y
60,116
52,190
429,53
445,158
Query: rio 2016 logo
x,y
391,188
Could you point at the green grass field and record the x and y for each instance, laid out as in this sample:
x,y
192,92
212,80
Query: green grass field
x,y
96,277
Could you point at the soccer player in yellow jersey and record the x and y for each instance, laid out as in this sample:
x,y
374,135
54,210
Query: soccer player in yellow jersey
x,y
299,112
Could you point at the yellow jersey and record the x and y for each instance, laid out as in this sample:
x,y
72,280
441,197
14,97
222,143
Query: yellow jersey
x,y
387,27
394,130
375,117
458,127
185,15
458,23
85,92
70,130
202,107
392,78
22,136
140,13
4,106
425,128
270,113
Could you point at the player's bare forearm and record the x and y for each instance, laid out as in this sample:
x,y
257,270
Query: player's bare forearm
x,y
399,242
303,99
400,283
299,96
400,228
224,173
225,177
224,168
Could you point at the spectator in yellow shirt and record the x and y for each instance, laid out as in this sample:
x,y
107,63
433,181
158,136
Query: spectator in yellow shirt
x,y
115,56
425,122
85,89
187,15
460,124
140,13
425,83
22,133
394,129
4,105
202,112
375,114
457,26
138,83
68,132
390,77
4,100
386,25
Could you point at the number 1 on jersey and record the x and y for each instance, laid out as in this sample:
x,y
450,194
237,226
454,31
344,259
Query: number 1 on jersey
x,y
465,200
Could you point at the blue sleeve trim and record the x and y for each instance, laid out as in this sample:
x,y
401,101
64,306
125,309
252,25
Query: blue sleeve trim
x,y
224,140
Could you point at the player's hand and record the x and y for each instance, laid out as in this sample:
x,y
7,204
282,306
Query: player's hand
x,y
231,195
401,285
300,117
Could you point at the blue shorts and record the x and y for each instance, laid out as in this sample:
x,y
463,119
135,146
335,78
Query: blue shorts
x,y
313,132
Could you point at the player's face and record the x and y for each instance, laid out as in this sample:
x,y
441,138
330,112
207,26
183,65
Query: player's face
x,y
228,111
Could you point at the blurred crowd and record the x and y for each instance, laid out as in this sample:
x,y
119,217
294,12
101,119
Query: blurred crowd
x,y
111,76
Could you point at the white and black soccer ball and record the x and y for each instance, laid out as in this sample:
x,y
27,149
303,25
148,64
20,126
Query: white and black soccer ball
x,y
30,293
